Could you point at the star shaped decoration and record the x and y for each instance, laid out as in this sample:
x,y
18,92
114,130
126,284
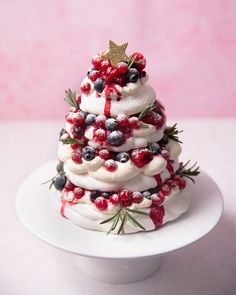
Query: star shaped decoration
x,y
116,53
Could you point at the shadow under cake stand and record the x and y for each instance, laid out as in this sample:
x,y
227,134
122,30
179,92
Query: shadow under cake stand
x,y
113,258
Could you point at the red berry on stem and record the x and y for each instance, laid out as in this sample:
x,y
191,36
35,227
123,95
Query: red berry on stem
x,y
101,203
85,88
111,74
125,195
141,157
105,64
114,199
77,157
122,120
104,154
94,75
134,122
111,165
96,62
78,192
122,67
137,197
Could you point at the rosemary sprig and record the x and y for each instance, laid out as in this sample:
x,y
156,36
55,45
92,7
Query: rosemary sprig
x,y
62,173
189,172
131,61
143,125
124,215
147,110
71,98
172,133
70,140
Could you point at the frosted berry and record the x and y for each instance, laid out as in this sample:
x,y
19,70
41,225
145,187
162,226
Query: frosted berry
x,y
85,88
141,157
165,189
59,182
69,118
105,195
60,167
100,135
69,186
104,154
90,119
111,73
114,199
78,99
147,194
164,140
78,192
137,197
127,203
125,195
105,64
77,157
181,183
155,148
140,61
122,157
90,70
165,154
115,138
94,195
110,165
99,85
100,121
132,75
122,120
94,75
111,124
77,131
156,200
78,118
88,153
101,203
134,122
122,67
96,62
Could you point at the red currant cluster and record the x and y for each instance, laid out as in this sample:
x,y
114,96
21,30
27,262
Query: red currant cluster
x,y
103,73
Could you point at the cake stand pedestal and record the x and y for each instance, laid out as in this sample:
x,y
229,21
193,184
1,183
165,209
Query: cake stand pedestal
x,y
113,258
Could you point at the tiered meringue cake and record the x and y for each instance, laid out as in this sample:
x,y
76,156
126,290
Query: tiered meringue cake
x,y
119,167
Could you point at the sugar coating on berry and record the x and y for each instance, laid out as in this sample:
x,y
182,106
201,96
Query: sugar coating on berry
x,y
77,157
104,154
125,195
134,122
111,165
85,88
115,138
122,120
122,157
88,153
100,134
78,192
101,203
100,120
111,124
141,157
137,197
114,199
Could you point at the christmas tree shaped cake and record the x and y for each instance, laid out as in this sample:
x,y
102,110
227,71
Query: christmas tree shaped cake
x,y
119,168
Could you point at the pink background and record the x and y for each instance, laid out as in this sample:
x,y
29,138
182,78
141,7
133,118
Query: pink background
x,y
46,47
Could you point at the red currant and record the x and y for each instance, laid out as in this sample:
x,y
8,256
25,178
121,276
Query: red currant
x,y
125,195
78,119
111,165
134,122
105,64
140,61
122,67
96,62
114,199
78,192
137,197
104,154
141,157
94,75
77,157
85,88
165,189
111,74
101,203
122,120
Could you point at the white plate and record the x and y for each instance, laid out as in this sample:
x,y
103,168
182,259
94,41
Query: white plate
x,y
36,209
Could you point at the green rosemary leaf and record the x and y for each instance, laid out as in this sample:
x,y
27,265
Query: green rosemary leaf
x,y
189,172
135,221
131,61
123,220
70,140
144,125
48,181
114,224
71,98
172,133
144,112
111,218
137,211
51,184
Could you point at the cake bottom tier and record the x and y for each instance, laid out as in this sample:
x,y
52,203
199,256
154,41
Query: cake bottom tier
x,y
146,214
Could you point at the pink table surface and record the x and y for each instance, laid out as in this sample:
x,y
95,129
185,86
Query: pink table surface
x,y
28,266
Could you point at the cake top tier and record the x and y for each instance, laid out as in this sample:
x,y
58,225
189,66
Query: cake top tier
x,y
118,78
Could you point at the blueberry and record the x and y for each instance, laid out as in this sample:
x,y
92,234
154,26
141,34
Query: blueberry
x,y
60,167
164,139
90,119
115,138
99,85
85,114
154,190
88,153
111,124
146,194
122,157
105,195
94,195
155,148
59,182
132,75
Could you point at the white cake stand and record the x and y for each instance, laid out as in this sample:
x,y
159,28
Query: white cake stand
x,y
112,258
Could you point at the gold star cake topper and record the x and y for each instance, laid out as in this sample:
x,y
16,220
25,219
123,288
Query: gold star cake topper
x,y
116,53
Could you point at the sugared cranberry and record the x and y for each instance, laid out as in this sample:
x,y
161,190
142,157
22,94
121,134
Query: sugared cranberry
x,y
181,183
140,61
156,200
100,121
101,203
137,197
94,75
141,157
111,74
165,154
77,131
96,62
134,122
77,157
122,120
100,135
105,64
127,203
165,189
78,119
111,165
78,192
69,118
122,67
69,186
104,154
125,195
114,199
85,88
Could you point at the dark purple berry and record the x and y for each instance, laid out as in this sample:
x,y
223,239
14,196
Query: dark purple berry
x,y
132,75
94,195
59,182
111,124
99,85
155,148
115,138
90,119
88,153
122,157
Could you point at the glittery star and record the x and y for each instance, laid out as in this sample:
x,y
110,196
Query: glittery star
x,y
116,53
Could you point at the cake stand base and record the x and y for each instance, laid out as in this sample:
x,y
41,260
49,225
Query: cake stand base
x,y
119,271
